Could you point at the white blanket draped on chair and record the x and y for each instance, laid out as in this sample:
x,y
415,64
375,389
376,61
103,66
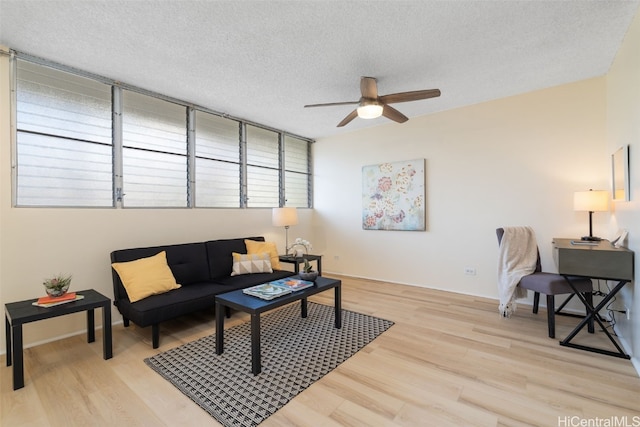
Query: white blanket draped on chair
x,y
517,258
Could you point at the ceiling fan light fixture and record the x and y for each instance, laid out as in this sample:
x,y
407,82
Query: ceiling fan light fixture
x,y
369,110
370,105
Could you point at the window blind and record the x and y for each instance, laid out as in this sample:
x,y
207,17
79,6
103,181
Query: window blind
x,y
297,176
78,146
217,161
154,153
263,168
63,144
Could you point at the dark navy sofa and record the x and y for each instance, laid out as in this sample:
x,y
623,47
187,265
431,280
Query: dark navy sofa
x,y
204,271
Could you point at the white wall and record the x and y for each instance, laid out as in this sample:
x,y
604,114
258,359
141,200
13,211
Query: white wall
x,y
37,243
623,127
513,161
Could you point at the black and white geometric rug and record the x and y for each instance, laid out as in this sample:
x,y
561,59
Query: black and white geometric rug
x,y
296,352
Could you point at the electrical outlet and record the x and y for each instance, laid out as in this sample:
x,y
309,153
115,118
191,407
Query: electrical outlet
x,y
470,271
336,257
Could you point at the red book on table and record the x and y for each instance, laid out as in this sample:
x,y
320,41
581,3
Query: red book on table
x,y
49,299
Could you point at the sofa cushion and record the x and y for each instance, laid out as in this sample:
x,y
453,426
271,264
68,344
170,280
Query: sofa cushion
x,y
251,263
159,308
219,254
146,276
254,247
188,261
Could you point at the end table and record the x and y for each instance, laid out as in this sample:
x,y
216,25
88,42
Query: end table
x,y
296,261
18,313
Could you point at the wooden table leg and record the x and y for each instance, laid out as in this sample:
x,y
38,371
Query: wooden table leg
x,y
256,363
18,366
91,326
219,328
338,307
7,339
107,340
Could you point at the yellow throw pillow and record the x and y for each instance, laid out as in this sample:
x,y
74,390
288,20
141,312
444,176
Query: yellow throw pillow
x,y
254,247
250,263
146,276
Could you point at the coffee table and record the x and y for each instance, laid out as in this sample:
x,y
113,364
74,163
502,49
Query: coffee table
x,y
255,306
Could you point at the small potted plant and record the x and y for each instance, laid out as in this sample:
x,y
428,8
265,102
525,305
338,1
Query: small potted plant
x,y
57,285
307,272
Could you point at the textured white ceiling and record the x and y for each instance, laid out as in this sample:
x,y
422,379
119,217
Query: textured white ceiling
x,y
263,60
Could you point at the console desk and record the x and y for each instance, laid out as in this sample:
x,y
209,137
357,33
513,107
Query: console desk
x,y
594,260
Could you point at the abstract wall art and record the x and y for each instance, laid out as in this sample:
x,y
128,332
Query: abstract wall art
x,y
393,196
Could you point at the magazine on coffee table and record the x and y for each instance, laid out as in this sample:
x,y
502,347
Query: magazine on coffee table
x,y
267,291
293,284
276,288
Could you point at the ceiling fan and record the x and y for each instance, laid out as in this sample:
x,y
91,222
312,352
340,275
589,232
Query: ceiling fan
x,y
370,105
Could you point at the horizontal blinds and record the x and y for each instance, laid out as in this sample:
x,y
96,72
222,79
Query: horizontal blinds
x,y
297,175
263,168
262,187
65,153
217,161
154,160
217,138
296,154
296,189
262,147
63,139
217,184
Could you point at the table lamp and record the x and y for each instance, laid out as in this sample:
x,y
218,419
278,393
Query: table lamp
x,y
284,217
591,201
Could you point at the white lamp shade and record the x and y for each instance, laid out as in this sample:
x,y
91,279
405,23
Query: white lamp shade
x,y
591,201
284,217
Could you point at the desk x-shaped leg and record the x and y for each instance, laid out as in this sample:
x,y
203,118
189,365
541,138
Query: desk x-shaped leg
x,y
592,314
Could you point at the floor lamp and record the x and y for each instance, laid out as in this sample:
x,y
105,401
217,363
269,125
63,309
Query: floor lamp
x,y
591,201
284,217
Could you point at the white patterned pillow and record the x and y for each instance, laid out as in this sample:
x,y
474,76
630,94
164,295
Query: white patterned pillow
x,y
251,263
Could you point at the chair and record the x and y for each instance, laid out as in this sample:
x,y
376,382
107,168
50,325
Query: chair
x,y
552,284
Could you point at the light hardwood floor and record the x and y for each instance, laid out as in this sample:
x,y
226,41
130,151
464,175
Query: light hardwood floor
x,y
448,360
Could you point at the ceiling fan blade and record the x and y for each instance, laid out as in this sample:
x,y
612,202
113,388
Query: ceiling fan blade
x,y
369,87
410,96
393,114
352,115
332,103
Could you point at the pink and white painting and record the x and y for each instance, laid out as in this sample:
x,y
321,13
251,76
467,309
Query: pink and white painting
x,y
393,196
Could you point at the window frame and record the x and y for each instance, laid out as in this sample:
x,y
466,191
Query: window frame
x,y
118,191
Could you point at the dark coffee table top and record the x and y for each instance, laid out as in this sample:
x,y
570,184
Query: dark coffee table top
x,y
250,304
